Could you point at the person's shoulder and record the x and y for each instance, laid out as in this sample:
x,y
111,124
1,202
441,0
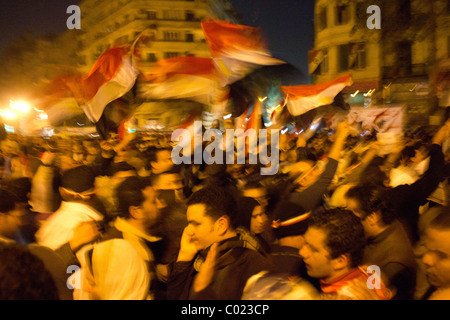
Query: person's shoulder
x,y
441,294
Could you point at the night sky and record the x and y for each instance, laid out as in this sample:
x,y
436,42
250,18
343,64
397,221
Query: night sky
x,y
287,24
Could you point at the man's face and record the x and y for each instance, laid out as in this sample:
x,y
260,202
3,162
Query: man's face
x,y
353,205
163,161
437,257
201,227
170,181
151,207
260,221
315,255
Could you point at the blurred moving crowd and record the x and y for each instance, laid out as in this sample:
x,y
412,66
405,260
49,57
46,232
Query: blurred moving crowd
x,y
83,219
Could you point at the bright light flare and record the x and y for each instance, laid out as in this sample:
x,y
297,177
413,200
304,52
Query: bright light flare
x,y
7,114
20,106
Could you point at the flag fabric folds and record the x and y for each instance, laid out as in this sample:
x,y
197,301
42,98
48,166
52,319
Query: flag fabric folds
x,y
191,78
237,50
300,99
57,100
112,75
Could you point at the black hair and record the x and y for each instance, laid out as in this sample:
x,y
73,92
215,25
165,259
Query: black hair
x,y
371,199
23,276
345,233
218,202
372,175
129,193
20,188
79,179
122,166
6,201
245,207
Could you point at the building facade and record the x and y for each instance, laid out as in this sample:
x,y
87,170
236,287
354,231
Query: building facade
x,y
391,63
173,29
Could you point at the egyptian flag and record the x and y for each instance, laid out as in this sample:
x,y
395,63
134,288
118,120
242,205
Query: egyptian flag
x,y
190,78
300,99
112,76
56,99
237,50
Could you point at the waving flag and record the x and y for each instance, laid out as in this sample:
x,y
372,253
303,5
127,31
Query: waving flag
x,y
302,98
57,100
191,78
236,49
112,75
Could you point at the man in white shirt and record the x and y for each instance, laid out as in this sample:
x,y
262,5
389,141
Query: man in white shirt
x,y
78,205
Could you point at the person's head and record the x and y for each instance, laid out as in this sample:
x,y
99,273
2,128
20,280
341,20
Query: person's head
x,y
11,215
78,152
421,152
138,202
20,187
305,173
437,255
92,153
10,148
374,175
160,159
78,184
23,276
367,203
169,180
170,186
334,243
256,190
407,155
116,272
211,216
252,215
120,171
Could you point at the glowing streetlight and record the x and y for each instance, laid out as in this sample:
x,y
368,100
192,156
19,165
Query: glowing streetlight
x,y
20,106
8,115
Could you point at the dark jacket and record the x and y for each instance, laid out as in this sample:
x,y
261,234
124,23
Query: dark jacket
x,y
391,250
406,199
237,261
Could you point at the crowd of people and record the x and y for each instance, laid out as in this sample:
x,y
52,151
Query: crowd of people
x,y
344,218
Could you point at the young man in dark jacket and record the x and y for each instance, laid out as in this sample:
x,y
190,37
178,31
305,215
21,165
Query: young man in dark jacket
x,y
214,261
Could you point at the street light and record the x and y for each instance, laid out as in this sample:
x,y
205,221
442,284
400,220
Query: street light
x,y
8,115
20,106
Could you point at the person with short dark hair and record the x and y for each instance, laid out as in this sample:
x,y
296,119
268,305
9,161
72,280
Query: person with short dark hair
x,y
80,204
437,256
333,252
388,245
11,220
305,192
139,222
214,262
23,276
